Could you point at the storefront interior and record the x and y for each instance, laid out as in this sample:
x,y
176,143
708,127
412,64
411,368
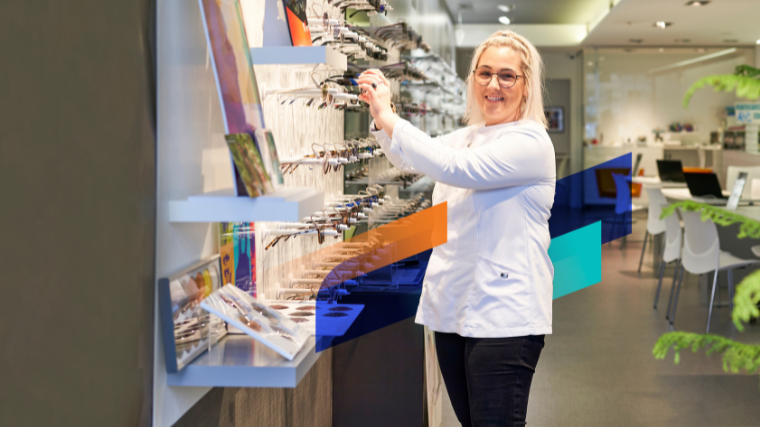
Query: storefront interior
x,y
214,237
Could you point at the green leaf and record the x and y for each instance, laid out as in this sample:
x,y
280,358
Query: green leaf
x,y
744,81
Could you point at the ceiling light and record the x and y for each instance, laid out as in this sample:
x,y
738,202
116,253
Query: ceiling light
x,y
697,3
662,24
662,50
504,20
758,41
635,40
701,50
505,7
590,64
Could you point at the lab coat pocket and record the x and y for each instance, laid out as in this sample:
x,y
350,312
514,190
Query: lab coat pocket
x,y
501,295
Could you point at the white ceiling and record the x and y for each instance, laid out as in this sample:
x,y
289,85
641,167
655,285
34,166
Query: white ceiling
x,y
527,11
720,23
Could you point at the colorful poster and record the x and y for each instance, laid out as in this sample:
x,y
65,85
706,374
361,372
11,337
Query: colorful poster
x,y
237,249
227,252
295,10
248,162
233,70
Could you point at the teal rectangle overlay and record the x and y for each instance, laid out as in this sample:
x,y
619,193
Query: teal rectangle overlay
x,y
577,259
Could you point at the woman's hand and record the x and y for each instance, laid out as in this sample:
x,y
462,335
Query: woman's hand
x,y
377,93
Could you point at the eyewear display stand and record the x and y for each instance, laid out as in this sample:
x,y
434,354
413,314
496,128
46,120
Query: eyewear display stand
x,y
300,55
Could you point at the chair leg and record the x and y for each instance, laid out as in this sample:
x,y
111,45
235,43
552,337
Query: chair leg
x,y
623,240
678,292
712,300
612,230
673,289
644,248
659,283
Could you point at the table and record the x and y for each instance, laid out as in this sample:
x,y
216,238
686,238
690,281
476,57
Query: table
x,y
678,194
654,182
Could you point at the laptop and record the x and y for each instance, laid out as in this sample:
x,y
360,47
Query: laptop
x,y
670,170
705,187
636,165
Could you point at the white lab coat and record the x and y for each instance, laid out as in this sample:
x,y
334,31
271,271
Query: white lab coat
x,y
493,277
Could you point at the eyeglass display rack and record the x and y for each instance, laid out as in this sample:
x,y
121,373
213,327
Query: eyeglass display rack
x,y
190,203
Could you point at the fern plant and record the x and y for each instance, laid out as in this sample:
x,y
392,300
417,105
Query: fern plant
x,y
736,355
745,81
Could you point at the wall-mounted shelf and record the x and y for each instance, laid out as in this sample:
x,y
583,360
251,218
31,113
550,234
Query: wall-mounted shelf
x,y
239,361
285,204
289,55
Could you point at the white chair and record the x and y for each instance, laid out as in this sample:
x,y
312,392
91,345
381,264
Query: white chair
x,y
753,173
655,225
623,202
701,254
671,252
754,189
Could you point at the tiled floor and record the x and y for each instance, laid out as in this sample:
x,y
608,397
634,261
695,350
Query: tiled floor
x,y
597,369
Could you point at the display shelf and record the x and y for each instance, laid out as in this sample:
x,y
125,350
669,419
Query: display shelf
x,y
240,361
285,204
299,55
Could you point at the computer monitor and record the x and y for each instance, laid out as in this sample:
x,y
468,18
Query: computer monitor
x,y
670,170
703,185
736,192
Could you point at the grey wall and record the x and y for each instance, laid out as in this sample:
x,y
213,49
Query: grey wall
x,y
77,184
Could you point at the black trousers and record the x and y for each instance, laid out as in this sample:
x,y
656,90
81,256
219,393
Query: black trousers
x,y
488,379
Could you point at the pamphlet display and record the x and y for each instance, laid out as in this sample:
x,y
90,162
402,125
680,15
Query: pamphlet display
x,y
249,166
237,87
257,319
187,330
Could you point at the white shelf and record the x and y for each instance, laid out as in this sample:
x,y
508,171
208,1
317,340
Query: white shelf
x,y
239,361
290,55
285,204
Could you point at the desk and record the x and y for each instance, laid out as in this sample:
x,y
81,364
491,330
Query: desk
x,y
654,182
678,194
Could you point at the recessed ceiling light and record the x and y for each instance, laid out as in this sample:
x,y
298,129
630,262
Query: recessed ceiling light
x,y
757,42
662,24
701,50
635,40
506,7
590,64
662,50
698,3
504,20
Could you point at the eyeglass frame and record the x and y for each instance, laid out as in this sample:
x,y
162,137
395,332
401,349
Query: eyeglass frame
x,y
475,73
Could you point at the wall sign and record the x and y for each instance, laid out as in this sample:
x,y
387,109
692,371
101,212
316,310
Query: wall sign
x,y
748,112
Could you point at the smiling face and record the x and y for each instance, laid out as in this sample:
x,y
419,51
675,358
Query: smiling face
x,y
499,104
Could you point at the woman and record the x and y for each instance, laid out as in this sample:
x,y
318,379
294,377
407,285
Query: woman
x,y
488,290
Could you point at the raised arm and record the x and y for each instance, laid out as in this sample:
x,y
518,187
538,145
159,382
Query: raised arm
x,y
516,159
385,143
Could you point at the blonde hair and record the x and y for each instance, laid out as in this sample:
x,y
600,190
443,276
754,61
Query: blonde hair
x,y
532,107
